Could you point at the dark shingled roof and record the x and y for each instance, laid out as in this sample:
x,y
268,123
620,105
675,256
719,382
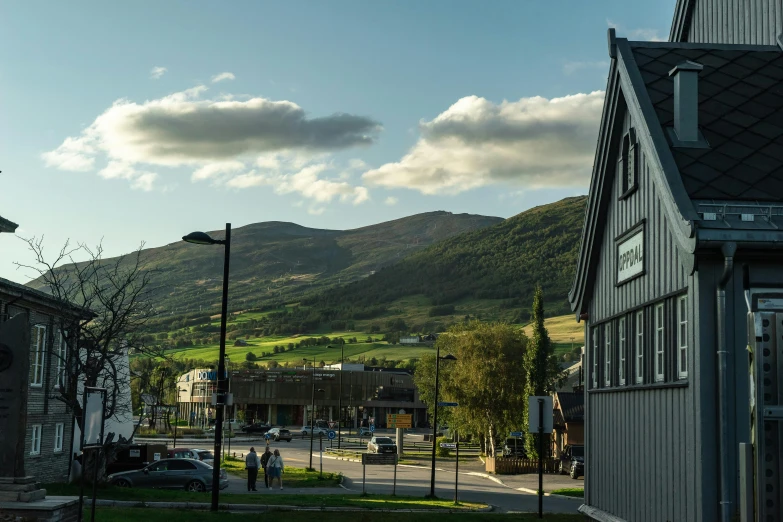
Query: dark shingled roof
x,y
573,406
740,115
7,226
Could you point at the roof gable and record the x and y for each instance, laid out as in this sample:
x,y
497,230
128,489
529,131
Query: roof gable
x,y
681,24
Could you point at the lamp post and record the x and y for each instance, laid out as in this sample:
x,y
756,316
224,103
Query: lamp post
x,y
340,396
200,238
176,415
312,411
228,364
438,358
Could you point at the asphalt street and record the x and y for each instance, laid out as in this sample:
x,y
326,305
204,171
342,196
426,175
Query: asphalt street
x,y
411,480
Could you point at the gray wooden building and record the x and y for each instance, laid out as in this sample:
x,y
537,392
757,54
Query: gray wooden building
x,y
728,21
684,226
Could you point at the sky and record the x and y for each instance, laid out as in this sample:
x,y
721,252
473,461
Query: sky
x,y
130,122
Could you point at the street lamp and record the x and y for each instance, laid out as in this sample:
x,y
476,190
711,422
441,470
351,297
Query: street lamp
x,y
176,415
312,411
438,358
228,364
200,238
340,396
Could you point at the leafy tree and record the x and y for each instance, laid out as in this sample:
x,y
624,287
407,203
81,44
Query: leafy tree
x,y
250,356
541,365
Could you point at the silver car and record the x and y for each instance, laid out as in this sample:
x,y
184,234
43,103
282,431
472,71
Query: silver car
x,y
188,474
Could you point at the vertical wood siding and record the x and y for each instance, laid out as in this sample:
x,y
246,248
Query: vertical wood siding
x,y
643,446
737,21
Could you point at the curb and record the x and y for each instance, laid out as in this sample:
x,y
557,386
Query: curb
x,y
260,508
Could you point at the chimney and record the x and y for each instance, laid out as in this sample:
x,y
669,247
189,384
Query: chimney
x,y
686,101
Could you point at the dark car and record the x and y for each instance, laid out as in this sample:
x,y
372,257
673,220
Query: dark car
x,y
514,448
572,461
257,427
278,434
381,445
188,474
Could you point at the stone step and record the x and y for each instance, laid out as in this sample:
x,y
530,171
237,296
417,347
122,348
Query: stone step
x,y
19,487
31,496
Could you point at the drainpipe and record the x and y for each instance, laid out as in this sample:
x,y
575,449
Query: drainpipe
x,y
728,250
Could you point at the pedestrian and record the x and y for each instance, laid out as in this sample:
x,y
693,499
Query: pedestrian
x,y
276,467
251,465
264,462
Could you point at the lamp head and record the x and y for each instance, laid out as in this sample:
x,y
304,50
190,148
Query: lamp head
x,y
201,238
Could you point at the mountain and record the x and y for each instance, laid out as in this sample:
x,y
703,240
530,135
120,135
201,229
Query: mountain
x,y
278,262
501,263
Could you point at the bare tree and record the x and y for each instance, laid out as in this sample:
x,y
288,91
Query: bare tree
x,y
116,293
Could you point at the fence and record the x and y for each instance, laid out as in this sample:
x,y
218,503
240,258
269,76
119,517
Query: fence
x,y
512,466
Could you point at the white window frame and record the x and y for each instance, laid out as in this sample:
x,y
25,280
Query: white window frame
x,y
596,338
35,439
608,354
660,342
621,347
62,354
639,347
682,337
38,357
59,432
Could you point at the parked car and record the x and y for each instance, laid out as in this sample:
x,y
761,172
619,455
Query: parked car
x,y
257,427
188,474
514,448
572,461
278,434
205,456
381,445
365,432
182,453
317,432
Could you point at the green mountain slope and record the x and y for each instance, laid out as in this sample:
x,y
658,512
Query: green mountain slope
x,y
503,262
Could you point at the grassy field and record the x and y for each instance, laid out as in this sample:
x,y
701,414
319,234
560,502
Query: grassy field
x,y
167,515
570,492
562,329
292,477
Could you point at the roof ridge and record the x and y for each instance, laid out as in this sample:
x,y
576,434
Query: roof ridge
x,y
703,45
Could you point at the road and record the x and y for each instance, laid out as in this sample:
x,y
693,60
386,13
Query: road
x,y
411,480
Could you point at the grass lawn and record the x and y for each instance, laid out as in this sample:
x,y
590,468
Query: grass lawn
x,y
570,492
165,515
292,477
561,329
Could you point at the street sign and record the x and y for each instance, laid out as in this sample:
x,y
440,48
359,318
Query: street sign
x,y
532,410
379,459
396,420
449,445
332,424
331,434
448,404
372,428
515,434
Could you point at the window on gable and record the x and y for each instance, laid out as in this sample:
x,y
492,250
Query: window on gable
x,y
608,354
35,440
59,431
639,347
682,337
629,163
38,355
621,348
660,343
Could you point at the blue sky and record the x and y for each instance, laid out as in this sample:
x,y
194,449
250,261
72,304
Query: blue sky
x,y
117,126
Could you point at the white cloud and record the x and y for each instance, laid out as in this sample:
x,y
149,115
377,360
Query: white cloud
x,y
219,137
223,76
391,200
534,142
640,34
157,72
574,67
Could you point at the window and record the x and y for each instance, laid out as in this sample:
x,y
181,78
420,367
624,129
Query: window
x,y
660,342
621,348
639,347
181,465
37,356
62,354
682,337
59,429
594,358
608,354
628,163
35,441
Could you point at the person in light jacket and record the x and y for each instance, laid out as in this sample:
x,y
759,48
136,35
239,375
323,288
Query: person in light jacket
x,y
252,463
275,469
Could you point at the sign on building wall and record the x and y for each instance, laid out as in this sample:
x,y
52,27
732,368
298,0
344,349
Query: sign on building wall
x,y
630,254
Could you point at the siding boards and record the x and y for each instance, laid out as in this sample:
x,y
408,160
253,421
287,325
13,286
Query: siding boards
x,y
736,21
642,444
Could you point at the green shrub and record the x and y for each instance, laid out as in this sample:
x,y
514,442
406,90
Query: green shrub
x,y
442,452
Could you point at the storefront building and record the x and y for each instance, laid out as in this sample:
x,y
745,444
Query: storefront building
x,y
284,396
680,284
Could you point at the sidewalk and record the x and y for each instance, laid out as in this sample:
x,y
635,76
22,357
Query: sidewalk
x,y
528,482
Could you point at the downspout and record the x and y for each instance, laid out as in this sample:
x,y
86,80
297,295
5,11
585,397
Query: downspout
x,y
728,250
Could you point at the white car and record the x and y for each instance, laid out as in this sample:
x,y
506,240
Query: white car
x,y
317,432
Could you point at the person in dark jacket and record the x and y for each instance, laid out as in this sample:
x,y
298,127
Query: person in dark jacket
x,y
251,464
264,460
